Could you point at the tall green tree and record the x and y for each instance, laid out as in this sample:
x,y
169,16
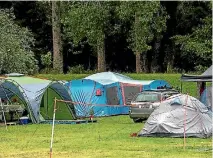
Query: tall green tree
x,y
57,41
198,41
15,46
36,16
90,20
146,20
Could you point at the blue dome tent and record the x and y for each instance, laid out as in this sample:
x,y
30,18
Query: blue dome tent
x,y
107,93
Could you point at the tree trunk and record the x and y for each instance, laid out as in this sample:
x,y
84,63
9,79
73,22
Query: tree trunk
x,y
57,43
101,54
170,63
138,53
154,66
138,62
144,64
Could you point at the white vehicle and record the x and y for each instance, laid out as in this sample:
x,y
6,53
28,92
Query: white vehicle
x,y
144,103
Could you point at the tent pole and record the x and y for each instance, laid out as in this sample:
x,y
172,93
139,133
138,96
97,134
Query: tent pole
x,y
185,122
53,126
3,114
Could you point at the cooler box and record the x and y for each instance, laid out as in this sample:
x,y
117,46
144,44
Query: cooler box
x,y
24,120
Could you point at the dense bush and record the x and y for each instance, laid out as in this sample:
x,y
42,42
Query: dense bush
x,y
79,69
15,47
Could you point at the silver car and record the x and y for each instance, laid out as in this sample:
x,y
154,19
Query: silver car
x,y
144,103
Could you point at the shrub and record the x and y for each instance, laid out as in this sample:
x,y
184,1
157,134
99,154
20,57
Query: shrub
x,y
15,47
46,60
78,69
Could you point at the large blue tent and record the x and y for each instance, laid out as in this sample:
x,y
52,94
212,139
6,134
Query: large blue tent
x,y
107,93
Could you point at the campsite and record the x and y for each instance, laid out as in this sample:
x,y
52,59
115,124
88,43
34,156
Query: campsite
x,y
110,136
115,79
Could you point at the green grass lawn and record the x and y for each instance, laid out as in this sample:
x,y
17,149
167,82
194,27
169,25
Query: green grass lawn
x,y
109,137
173,79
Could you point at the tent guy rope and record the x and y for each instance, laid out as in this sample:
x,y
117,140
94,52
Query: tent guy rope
x,y
72,102
185,121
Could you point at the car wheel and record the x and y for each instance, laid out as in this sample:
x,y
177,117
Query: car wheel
x,y
137,120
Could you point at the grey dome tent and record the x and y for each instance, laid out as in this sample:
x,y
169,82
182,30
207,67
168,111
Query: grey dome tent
x,y
174,114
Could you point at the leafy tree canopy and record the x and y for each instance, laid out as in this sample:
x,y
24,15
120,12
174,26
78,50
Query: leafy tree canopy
x,y
15,46
148,20
86,19
199,41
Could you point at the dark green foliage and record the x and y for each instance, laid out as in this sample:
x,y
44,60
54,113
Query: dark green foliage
x,y
86,19
199,42
46,61
151,22
147,22
15,46
196,42
173,36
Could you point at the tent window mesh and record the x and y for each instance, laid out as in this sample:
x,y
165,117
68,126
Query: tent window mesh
x,y
129,93
112,96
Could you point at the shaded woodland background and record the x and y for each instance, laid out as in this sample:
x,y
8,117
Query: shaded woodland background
x,y
168,36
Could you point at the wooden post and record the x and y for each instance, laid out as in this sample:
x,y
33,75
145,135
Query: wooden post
x,y
53,126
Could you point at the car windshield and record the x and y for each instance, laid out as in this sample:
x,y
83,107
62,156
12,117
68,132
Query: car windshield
x,y
147,97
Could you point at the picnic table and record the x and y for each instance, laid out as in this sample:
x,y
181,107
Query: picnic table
x,y
11,109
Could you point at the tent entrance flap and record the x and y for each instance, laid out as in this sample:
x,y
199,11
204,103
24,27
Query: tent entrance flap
x,y
47,103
